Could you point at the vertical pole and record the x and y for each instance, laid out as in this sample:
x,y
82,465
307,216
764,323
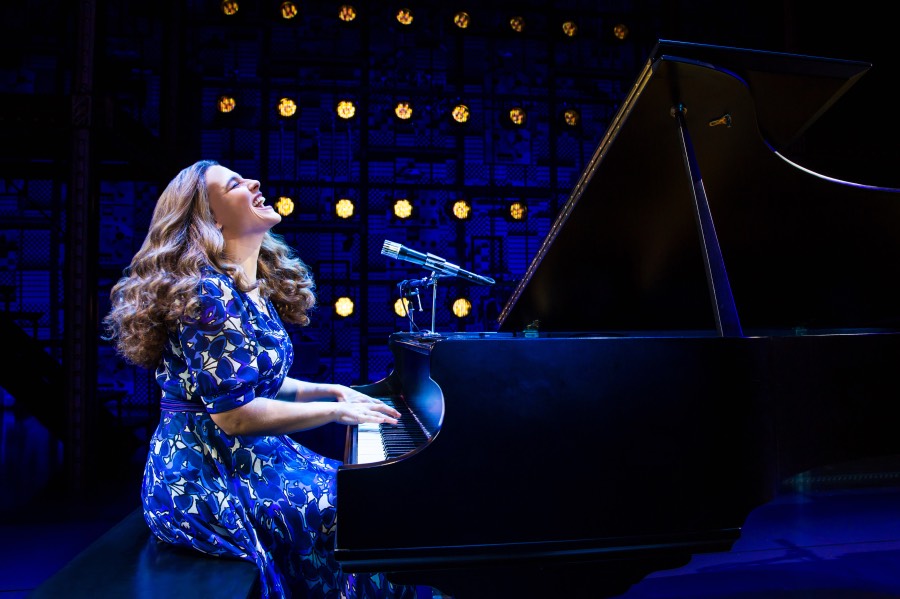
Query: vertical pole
x,y
80,306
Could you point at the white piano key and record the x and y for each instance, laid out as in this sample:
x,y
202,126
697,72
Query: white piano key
x,y
369,446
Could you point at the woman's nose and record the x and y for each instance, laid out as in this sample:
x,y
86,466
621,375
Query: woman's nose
x,y
252,184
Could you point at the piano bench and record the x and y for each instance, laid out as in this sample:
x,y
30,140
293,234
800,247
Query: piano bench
x,y
127,561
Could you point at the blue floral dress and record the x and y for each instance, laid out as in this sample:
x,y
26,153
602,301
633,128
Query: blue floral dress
x,y
265,499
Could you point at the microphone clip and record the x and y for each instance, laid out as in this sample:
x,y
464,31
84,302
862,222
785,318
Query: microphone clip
x,y
411,289
412,286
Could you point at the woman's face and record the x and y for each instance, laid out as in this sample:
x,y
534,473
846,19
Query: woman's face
x,y
237,205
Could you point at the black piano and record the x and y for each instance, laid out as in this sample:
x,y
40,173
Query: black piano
x,y
704,320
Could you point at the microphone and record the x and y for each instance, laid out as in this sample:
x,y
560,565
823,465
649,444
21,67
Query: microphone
x,y
431,262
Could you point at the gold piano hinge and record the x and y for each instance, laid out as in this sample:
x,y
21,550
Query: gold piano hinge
x,y
723,120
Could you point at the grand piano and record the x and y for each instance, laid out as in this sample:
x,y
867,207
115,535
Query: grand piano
x,y
705,320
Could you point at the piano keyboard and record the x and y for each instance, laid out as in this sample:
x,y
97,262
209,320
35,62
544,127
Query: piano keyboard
x,y
378,442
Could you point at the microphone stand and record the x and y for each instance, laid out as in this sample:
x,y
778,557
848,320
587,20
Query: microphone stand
x,y
409,288
434,278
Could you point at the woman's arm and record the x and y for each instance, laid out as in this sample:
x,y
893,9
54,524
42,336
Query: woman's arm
x,y
302,391
219,355
264,416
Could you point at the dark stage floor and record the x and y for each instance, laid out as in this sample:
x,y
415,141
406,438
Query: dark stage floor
x,y
841,543
837,539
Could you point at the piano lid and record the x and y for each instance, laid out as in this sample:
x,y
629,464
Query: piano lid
x,y
802,252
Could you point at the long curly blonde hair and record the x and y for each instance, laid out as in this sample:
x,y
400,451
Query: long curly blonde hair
x,y
160,285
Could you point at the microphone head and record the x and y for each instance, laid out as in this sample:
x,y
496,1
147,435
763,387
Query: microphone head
x,y
390,249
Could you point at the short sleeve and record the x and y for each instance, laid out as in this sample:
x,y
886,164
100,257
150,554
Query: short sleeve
x,y
218,348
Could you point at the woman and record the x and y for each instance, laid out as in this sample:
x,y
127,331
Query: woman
x,y
203,303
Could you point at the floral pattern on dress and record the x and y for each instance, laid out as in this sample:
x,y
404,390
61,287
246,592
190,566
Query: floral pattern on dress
x,y
261,498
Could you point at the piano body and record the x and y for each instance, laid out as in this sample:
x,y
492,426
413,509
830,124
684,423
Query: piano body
x,y
704,320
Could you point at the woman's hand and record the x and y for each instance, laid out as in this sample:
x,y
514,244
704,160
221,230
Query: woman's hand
x,y
360,412
342,393
352,396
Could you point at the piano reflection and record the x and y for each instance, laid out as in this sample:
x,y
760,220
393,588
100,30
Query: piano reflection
x,y
713,319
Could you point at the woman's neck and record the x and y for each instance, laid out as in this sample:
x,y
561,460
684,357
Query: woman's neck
x,y
246,254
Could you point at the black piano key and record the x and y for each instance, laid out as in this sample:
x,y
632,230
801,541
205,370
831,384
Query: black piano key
x,y
405,436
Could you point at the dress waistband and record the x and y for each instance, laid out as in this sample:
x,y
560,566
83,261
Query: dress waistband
x,y
177,404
